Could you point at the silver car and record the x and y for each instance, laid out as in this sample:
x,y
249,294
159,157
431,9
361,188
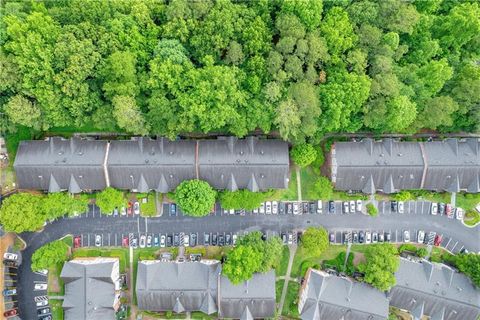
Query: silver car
x,y
268,207
352,206
274,207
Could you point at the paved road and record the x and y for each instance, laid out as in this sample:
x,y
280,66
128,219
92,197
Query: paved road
x,y
416,217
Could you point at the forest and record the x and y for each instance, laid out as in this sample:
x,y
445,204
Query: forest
x,y
298,68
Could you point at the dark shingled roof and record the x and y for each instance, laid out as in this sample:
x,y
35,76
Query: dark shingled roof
x,y
178,286
90,289
144,164
327,297
57,164
250,163
389,166
252,299
435,290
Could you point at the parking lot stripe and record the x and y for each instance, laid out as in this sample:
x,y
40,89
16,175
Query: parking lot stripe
x,y
454,246
461,248
88,235
448,243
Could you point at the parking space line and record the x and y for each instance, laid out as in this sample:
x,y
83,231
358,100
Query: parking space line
x,y
448,243
109,239
461,248
88,235
454,246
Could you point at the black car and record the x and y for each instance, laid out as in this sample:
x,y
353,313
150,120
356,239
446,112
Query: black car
x,y
331,206
331,237
43,311
284,238
193,240
281,207
347,237
305,207
214,239
355,237
221,240
394,206
169,240
361,237
206,239
388,237
228,239
47,317
264,236
313,210
176,240
441,208
289,208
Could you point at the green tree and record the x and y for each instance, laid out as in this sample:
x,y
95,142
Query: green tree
x,y
195,197
241,263
309,12
109,199
128,115
372,209
22,111
303,154
338,31
321,189
469,264
381,263
20,212
120,75
55,205
49,255
314,240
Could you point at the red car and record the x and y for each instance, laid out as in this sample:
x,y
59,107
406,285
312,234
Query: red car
x,y
10,313
130,208
125,241
77,242
438,240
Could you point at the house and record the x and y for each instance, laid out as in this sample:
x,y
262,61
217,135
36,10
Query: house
x,y
178,286
388,166
432,289
57,164
329,297
251,163
92,288
252,299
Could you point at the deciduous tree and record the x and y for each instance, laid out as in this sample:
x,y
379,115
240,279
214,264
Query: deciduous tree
x,y
195,197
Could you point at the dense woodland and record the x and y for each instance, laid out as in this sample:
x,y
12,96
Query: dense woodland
x,y
302,68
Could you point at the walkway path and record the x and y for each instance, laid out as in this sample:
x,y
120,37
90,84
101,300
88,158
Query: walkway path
x,y
56,297
292,249
133,311
299,183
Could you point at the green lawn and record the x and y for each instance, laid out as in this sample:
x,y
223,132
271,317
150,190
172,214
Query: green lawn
x,y
307,178
278,289
12,140
302,256
149,208
121,253
283,264
472,217
290,193
54,280
57,310
290,307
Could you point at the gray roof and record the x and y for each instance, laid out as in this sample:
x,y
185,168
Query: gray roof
x,y
89,289
250,163
58,164
144,164
328,297
251,299
177,286
390,166
436,290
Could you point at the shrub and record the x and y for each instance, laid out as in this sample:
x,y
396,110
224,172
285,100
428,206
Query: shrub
x,y
372,210
303,154
242,199
404,195
308,264
407,247
422,252
195,197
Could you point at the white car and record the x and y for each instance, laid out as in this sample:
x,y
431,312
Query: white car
x,y
406,236
162,241
186,240
10,256
231,211
346,207
295,208
42,303
401,207
123,211
268,207
359,205
234,239
290,238
368,237
136,207
352,206
149,241
434,208
43,272
40,286
262,208
319,206
143,239
459,213
420,236
98,240
274,207
255,211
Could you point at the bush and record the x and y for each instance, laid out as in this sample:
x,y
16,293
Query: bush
x,y
321,189
407,247
195,197
422,252
109,199
372,210
404,195
242,199
338,262
303,154
49,255
308,264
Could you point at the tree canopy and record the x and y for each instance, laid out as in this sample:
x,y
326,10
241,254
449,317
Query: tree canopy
x,y
49,255
303,154
242,199
195,197
314,240
382,262
469,264
300,68
109,199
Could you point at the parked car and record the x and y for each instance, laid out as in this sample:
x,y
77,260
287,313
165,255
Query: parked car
x,y
400,207
289,208
347,237
173,209
359,205
156,241
441,208
98,240
290,238
361,237
268,207
143,241
228,239
312,208
449,211
459,213
331,237
130,208
47,317
123,211
43,311
193,240
331,206
262,208
186,240
420,236
136,207
394,206
434,208
214,239
169,240
296,208
115,212
77,241
346,207
10,264
10,256
9,292
388,237
368,237
255,211
125,241
355,237
406,236
221,240
431,238
206,239
352,206
162,241
274,207
41,303
304,207
281,208
319,206
234,239
231,211
176,240
134,243
374,237
10,313
40,286
381,237
149,241
438,240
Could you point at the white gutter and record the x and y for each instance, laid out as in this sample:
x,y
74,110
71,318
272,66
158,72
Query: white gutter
x,y
107,178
